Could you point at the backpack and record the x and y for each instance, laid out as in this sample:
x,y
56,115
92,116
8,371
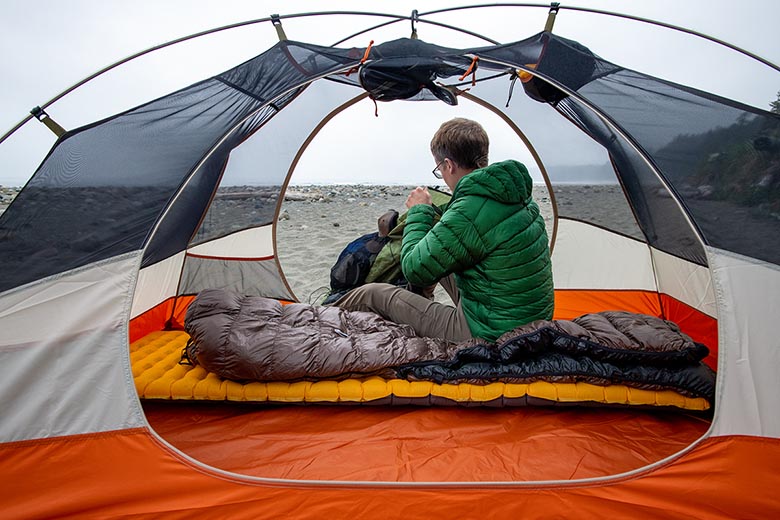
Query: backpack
x,y
357,258
355,261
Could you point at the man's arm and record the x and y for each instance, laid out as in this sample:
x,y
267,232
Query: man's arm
x,y
432,250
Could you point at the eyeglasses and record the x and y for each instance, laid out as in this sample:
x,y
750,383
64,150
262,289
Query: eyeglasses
x,y
436,173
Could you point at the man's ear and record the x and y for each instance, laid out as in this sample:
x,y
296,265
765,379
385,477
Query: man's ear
x,y
450,163
455,169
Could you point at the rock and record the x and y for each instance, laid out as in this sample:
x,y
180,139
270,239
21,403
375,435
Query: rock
x,y
766,181
688,192
705,191
298,197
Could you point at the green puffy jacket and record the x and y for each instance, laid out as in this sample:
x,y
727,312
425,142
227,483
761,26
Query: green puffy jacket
x,y
492,237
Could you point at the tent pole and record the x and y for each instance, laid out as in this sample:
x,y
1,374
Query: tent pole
x,y
548,26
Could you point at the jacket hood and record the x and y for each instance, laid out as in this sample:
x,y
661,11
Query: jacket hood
x,y
507,182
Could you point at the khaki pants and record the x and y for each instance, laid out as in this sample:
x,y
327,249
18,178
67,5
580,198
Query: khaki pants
x,y
426,317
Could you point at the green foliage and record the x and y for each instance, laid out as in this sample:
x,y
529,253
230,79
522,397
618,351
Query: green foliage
x,y
739,163
774,106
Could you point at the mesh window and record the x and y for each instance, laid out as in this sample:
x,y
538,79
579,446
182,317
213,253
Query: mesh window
x,y
224,214
102,189
252,277
659,216
583,179
721,158
249,189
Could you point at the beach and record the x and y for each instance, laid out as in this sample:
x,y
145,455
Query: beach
x,y
317,222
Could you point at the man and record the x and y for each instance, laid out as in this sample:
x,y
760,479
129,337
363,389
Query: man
x,y
491,237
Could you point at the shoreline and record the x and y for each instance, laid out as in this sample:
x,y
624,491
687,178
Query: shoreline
x,y
9,193
315,222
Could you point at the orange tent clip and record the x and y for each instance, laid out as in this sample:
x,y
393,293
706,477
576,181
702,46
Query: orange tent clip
x,y
363,59
471,70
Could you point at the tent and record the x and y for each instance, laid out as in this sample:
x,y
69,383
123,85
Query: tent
x,y
112,237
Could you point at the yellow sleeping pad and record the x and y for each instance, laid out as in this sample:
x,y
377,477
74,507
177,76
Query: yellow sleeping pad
x,y
158,375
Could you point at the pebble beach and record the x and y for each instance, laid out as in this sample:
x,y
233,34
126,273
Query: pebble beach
x,y
316,222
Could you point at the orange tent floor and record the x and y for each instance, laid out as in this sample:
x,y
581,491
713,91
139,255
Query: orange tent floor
x,y
417,444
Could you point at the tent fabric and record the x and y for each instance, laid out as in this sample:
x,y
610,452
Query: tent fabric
x,y
105,223
168,315
82,359
685,282
437,444
254,243
656,212
107,474
747,296
156,283
294,64
259,277
580,244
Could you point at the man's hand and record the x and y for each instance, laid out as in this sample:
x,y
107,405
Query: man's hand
x,y
419,195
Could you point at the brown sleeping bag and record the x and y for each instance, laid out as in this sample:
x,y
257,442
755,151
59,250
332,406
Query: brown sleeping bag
x,y
259,339
251,338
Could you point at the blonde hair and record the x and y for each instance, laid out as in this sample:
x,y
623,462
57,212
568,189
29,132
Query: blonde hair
x,y
463,141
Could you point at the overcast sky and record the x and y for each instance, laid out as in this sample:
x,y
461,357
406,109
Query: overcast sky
x,y
49,45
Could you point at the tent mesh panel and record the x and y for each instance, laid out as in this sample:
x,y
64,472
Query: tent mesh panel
x,y
105,187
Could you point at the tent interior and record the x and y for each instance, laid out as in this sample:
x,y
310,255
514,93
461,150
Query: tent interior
x,y
610,126
412,443
428,444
